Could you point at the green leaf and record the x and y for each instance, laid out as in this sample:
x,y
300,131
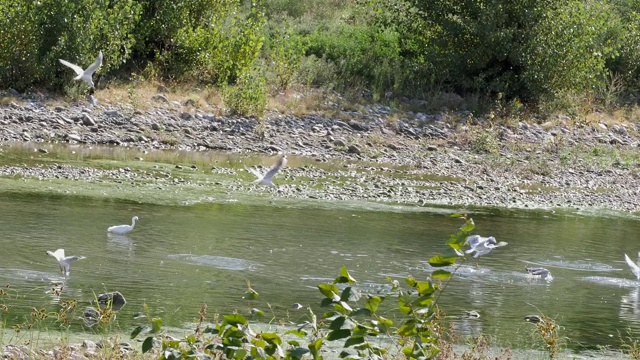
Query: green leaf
x,y
354,340
330,291
297,353
314,347
156,325
350,294
384,321
468,226
373,302
342,307
422,301
338,334
344,277
441,274
271,338
407,329
257,312
403,305
135,332
147,344
440,261
296,332
425,287
235,319
250,294
337,323
326,302
455,216
211,330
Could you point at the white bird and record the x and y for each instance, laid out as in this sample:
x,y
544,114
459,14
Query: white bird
x,y
539,272
86,75
634,267
123,229
266,179
482,245
64,261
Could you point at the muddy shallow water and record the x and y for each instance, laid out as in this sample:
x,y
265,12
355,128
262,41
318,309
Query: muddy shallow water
x,y
205,231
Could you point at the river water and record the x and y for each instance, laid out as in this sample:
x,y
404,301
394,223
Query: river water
x,y
181,256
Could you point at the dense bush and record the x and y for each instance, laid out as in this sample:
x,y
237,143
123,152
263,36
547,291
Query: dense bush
x,y
529,50
35,34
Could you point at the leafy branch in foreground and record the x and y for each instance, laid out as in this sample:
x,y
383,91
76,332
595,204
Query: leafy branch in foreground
x,y
354,318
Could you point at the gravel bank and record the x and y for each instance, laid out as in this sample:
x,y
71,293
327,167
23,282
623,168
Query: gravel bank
x,y
416,159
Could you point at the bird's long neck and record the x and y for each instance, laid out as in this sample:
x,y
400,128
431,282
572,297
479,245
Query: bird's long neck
x,y
133,222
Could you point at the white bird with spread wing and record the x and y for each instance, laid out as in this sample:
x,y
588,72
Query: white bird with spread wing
x,y
123,229
482,245
266,179
64,261
634,267
86,75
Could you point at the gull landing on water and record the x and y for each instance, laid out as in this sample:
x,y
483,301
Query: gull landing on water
x,y
482,245
86,75
634,267
266,179
64,261
123,229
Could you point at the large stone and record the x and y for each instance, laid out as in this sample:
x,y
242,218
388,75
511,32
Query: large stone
x,y
115,300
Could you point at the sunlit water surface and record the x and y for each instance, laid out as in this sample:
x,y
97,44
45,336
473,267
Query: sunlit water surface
x,y
179,257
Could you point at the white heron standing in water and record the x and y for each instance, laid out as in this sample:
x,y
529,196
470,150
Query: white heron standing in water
x,y
123,229
64,261
634,267
86,75
266,179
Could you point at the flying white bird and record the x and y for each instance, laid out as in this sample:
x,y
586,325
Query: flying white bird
x,y
86,75
634,267
482,245
266,178
123,229
64,261
539,272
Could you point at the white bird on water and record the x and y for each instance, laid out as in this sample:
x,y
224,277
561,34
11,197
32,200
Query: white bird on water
x,y
86,75
482,245
64,261
123,229
634,267
266,179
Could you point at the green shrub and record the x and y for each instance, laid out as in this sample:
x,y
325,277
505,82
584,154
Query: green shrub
x,y
249,95
36,34
364,56
284,49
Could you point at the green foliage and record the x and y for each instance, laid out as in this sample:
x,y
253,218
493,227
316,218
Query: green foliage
x,y
222,47
363,55
285,49
249,95
36,34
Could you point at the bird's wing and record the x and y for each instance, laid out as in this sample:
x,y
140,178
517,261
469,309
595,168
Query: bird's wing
x,y
634,267
474,240
75,67
254,172
275,168
58,254
96,64
69,259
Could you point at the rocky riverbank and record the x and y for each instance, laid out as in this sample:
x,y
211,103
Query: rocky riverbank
x,y
413,158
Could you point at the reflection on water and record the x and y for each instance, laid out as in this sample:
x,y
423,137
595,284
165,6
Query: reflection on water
x,y
184,256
